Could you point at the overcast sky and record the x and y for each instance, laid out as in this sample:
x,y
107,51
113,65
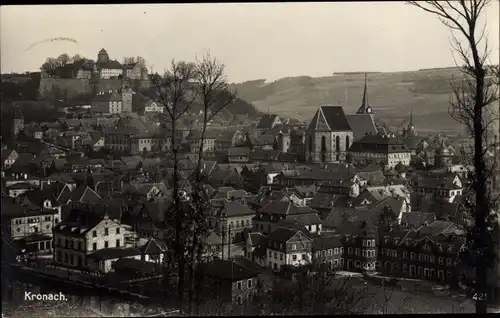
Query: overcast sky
x,y
255,41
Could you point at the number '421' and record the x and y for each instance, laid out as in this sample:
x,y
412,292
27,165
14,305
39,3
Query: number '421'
x,y
479,296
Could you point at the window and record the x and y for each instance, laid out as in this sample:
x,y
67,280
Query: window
x,y
336,251
240,300
117,230
412,256
249,283
349,250
94,233
330,252
341,250
357,252
270,254
441,260
94,246
405,255
448,262
239,285
117,243
281,256
275,255
294,257
294,247
106,244
357,264
405,268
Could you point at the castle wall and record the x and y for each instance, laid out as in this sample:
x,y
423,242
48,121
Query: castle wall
x,y
75,87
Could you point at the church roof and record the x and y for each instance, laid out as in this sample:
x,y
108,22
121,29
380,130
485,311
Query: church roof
x,y
330,118
361,125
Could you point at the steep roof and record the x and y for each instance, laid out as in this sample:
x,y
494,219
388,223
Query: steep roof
x,y
283,234
266,122
329,118
361,125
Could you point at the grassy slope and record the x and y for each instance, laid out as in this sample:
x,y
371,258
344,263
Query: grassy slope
x,y
391,95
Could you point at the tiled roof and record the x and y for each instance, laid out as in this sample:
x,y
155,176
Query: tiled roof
x,y
109,65
114,252
329,118
228,270
266,121
152,247
323,243
282,234
361,125
417,219
379,144
233,209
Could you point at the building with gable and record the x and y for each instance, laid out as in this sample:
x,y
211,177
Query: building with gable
x,y
329,135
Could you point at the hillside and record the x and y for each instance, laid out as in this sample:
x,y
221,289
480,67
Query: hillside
x,y
391,95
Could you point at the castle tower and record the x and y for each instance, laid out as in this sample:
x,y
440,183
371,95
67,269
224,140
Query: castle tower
x,y
102,56
18,122
126,93
365,106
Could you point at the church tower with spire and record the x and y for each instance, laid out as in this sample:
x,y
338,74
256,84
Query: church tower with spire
x,y
410,130
363,121
365,107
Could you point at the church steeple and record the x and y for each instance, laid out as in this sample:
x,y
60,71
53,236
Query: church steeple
x,y
365,106
410,130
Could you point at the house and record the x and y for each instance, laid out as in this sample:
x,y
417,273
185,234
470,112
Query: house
x,y
360,239
107,102
268,216
329,135
385,150
230,220
328,251
8,157
446,186
78,236
230,282
266,123
19,188
134,71
24,220
103,259
288,247
106,68
429,252
238,154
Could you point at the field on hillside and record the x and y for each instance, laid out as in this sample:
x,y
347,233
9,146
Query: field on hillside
x,y
391,95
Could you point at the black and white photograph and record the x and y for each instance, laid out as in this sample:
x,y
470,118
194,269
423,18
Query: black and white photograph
x,y
250,159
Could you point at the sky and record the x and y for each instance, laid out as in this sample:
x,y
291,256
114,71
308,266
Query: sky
x,y
254,40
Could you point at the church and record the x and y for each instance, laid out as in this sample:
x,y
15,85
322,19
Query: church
x,y
331,132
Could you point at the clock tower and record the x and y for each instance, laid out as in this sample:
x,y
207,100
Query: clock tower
x,y
365,106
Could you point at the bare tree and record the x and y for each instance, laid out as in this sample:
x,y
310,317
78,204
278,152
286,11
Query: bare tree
x,y
172,90
471,96
128,60
141,61
186,217
63,59
49,66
